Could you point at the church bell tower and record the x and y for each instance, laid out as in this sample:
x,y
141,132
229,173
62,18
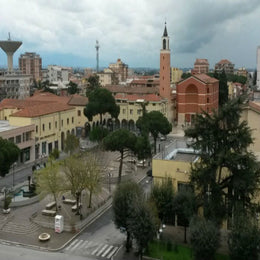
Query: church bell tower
x,y
165,67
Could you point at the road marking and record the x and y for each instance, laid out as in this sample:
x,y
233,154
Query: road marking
x,y
104,254
112,252
68,248
84,244
94,252
102,250
77,245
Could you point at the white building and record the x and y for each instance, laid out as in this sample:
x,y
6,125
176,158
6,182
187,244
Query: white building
x,y
55,74
258,68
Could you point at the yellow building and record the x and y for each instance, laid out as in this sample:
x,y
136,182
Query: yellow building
x,y
131,108
176,75
251,114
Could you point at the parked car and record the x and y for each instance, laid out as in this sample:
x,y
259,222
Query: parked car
x,y
162,138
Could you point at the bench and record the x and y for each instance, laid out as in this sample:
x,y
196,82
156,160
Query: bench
x,y
68,201
47,212
74,208
50,205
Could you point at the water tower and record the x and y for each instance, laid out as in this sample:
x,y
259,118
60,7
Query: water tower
x,y
10,47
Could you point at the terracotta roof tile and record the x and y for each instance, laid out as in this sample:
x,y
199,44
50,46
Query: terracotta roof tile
x,y
224,61
77,100
205,78
201,61
42,109
47,96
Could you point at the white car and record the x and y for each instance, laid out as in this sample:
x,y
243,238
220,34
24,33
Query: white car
x,y
162,138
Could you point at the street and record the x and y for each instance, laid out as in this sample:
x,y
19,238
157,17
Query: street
x,y
101,239
21,253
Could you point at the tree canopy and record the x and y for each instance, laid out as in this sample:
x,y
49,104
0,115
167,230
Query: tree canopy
x,y
125,198
101,101
226,169
73,88
154,122
71,143
9,153
120,140
93,83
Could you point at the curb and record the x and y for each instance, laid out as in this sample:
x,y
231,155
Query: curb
x,y
106,207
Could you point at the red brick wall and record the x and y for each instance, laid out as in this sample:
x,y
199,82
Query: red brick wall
x,y
193,96
165,74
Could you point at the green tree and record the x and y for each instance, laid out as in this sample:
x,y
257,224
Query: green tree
x,y
50,181
226,169
9,153
154,122
162,195
204,237
73,88
120,140
244,239
223,88
75,176
185,75
71,143
143,225
98,133
94,176
143,148
125,198
101,101
185,207
93,84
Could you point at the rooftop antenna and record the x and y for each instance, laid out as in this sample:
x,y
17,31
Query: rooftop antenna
x,y
97,49
10,47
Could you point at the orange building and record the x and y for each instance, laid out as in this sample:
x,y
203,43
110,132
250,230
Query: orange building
x,y
201,66
196,94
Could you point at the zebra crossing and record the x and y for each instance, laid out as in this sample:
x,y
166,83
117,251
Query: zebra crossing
x,y
85,248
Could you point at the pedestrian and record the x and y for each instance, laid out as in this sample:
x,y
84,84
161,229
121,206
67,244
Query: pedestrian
x,y
63,197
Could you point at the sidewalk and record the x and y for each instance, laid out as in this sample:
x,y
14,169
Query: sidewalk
x,y
19,229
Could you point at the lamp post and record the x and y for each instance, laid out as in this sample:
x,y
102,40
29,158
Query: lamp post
x,y
109,181
14,165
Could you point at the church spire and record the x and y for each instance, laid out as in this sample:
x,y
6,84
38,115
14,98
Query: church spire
x,y
165,33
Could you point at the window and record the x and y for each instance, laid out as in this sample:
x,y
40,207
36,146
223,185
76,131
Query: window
x,y
27,136
131,111
79,113
36,129
61,122
123,110
207,90
72,120
43,127
68,121
207,100
56,124
139,111
44,148
49,126
11,139
18,139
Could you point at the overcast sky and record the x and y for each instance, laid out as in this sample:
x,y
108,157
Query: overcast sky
x,y
64,32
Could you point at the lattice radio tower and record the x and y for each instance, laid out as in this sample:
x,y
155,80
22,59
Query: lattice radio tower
x,y
97,49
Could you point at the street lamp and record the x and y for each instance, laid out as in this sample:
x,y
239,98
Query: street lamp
x,y
14,165
109,181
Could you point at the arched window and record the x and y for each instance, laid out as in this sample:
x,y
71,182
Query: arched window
x,y
164,44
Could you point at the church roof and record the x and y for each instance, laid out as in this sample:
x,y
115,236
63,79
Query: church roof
x,y
165,33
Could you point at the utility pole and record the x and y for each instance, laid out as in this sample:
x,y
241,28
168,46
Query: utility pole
x,y
97,49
